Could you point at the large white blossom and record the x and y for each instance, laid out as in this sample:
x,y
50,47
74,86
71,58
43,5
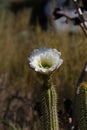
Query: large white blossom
x,y
45,60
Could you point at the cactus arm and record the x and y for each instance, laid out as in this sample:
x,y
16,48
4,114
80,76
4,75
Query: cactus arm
x,y
80,80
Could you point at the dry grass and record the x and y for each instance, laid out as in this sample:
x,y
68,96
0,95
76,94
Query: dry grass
x,y
17,42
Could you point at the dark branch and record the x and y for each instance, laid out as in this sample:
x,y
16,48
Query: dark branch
x,y
80,13
79,20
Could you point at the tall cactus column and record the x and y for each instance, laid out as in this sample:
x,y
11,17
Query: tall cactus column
x,y
82,107
45,61
49,113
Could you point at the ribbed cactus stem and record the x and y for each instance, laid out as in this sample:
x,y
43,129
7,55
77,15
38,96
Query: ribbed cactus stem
x,y
82,107
49,108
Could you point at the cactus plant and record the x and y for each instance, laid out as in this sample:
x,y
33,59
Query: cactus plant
x,y
82,106
45,61
49,115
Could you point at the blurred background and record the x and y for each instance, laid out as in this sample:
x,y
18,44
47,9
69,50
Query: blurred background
x,y
24,26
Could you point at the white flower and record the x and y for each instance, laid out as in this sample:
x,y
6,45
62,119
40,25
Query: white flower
x,y
45,60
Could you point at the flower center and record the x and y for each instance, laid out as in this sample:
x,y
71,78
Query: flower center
x,y
45,64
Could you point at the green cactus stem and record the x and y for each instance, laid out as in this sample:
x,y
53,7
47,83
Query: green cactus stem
x,y
49,118
82,107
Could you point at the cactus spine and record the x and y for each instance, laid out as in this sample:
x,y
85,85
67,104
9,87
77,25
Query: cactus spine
x,y
82,107
49,117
